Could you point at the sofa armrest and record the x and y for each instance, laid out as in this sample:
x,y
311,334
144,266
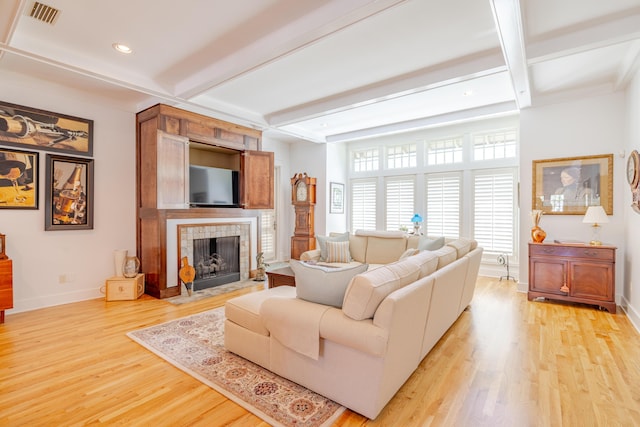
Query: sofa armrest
x,y
312,255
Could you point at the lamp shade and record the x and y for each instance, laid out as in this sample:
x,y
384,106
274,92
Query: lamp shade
x,y
416,218
595,215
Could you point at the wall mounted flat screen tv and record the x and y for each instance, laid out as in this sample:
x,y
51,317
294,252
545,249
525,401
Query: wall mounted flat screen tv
x,y
213,187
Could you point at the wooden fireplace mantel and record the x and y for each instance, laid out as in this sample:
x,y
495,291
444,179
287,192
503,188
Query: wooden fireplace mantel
x,y
168,139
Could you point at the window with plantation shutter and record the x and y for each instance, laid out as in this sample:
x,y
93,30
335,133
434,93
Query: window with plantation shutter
x,y
363,204
494,210
399,196
443,204
268,234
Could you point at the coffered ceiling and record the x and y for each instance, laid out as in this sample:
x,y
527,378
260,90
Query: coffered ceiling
x,y
327,70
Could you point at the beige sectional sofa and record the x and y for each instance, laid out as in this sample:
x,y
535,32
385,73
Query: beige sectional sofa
x,y
374,247
359,354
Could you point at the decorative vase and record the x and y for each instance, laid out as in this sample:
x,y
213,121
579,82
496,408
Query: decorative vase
x,y
538,234
131,266
119,255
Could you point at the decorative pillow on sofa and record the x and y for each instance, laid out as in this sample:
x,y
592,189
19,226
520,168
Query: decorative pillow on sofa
x,y
427,244
323,285
322,243
338,252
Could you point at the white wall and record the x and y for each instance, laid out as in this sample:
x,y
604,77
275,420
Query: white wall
x,y
590,126
85,257
311,158
283,194
337,166
630,288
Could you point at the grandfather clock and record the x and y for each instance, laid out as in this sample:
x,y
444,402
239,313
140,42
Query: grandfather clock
x,y
303,197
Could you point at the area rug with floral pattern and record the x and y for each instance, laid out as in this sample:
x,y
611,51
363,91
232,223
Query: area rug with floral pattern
x,y
194,344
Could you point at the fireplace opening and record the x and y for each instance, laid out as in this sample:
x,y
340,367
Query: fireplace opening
x,y
216,260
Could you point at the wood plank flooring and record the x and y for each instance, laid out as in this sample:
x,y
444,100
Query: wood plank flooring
x,y
505,362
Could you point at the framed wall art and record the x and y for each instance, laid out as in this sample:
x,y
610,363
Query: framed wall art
x,y
336,193
43,130
69,193
568,186
19,173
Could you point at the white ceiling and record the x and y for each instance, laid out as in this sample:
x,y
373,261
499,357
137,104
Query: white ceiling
x,y
329,70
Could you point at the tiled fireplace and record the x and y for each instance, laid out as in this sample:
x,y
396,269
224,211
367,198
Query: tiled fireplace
x,y
210,240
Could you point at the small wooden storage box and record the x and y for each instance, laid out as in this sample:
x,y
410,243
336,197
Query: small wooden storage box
x,y
123,288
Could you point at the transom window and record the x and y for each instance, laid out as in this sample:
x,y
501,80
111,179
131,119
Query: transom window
x,y
401,156
495,145
366,160
444,151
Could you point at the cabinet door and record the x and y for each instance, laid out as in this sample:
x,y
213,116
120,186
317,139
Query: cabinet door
x,y
548,275
591,280
173,171
256,190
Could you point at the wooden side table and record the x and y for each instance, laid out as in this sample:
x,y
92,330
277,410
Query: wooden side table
x,y
281,277
6,286
577,273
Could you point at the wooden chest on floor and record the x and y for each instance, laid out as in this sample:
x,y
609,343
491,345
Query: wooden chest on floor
x,y
123,288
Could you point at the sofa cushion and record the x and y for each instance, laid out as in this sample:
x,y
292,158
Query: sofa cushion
x,y
322,242
358,247
383,250
446,255
409,252
427,262
323,285
338,252
462,246
430,244
367,290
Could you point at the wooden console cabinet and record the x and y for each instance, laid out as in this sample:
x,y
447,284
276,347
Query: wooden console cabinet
x,y
6,286
168,140
577,273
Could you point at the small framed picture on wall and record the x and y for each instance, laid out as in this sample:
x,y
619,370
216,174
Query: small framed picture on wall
x,y
68,193
336,194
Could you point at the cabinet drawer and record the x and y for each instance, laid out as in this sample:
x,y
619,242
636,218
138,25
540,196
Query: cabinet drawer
x,y
6,299
587,252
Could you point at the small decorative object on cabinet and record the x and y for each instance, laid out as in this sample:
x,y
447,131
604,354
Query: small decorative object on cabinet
x,y
417,222
6,286
537,234
131,267
303,197
573,272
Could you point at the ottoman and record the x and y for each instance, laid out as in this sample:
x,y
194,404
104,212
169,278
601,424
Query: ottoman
x,y
244,332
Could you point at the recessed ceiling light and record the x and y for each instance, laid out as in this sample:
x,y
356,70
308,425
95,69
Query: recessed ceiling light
x,y
122,48
324,125
467,93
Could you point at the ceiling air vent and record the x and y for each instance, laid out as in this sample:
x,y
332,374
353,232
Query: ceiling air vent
x,y
44,13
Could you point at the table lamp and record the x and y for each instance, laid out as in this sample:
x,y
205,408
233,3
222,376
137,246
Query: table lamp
x,y
416,220
595,215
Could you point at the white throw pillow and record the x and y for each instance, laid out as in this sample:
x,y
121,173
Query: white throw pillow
x,y
323,285
322,243
338,252
427,244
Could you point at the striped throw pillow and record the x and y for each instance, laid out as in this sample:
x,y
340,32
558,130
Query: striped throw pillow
x,y
338,252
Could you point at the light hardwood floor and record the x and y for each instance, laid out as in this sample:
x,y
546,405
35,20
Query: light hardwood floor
x,y
505,362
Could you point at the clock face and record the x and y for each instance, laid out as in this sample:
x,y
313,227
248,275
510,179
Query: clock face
x,y
301,192
632,169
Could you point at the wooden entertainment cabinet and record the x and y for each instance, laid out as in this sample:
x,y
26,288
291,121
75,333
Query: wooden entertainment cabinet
x,y
576,273
168,140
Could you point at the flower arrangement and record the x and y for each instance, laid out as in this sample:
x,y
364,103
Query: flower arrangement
x,y
536,214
